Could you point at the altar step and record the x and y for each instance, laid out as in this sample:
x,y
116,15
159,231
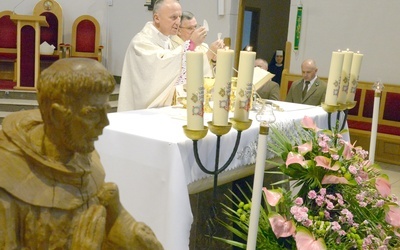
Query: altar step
x,y
16,100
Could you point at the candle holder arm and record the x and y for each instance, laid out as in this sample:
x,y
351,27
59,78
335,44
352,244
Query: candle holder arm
x,y
217,170
346,112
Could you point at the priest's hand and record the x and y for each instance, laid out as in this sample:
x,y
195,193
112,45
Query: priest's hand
x,y
198,36
214,46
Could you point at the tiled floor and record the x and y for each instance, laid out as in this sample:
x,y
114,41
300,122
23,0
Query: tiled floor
x,y
393,171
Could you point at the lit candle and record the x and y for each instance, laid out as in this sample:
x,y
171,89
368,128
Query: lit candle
x,y
354,74
244,85
195,90
222,87
335,72
344,81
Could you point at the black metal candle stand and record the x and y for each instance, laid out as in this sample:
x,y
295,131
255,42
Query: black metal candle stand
x,y
339,108
219,131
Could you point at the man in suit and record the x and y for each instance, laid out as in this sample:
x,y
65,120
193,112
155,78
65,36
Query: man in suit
x,y
310,89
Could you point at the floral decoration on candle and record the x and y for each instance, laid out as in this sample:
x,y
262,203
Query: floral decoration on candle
x,y
335,73
345,79
244,85
195,90
222,87
354,75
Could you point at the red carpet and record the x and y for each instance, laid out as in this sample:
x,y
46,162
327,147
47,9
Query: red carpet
x,y
7,84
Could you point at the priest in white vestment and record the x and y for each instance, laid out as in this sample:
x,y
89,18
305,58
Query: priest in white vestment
x,y
152,67
187,27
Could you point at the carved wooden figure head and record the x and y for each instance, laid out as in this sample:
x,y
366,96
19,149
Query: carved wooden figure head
x,y
73,100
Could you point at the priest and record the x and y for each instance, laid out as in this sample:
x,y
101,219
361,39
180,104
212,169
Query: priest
x,y
188,26
152,68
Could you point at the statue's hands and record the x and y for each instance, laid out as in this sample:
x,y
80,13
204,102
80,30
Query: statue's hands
x,y
89,233
145,238
123,231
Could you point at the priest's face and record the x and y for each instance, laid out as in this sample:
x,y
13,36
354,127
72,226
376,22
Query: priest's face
x,y
186,29
168,17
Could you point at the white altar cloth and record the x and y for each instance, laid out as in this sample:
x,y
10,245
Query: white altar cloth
x,y
148,155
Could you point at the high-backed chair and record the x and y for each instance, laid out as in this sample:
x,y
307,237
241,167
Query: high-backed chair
x,y
53,34
8,47
85,39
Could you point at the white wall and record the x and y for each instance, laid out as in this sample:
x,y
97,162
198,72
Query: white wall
x,y
121,21
368,26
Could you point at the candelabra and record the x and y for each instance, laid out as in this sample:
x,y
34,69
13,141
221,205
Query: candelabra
x,y
219,131
339,108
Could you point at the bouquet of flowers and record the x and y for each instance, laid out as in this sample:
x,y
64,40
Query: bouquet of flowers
x,y
342,200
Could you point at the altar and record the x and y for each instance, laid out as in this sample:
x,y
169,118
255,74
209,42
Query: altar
x,y
148,155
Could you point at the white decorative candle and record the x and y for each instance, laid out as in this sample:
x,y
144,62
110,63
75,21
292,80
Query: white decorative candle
x,y
195,90
344,81
354,74
244,85
335,72
222,87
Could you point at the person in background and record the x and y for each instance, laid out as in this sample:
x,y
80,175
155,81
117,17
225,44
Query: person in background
x,y
152,67
270,89
187,27
276,65
310,89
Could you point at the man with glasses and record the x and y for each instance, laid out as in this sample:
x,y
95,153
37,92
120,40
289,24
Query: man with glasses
x,y
187,27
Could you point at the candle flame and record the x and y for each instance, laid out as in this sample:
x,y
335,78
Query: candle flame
x,y
249,48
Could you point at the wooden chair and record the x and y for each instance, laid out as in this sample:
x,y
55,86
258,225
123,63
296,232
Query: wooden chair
x,y
8,47
53,34
85,39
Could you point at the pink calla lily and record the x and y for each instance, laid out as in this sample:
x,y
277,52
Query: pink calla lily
x,y
273,196
393,216
347,152
295,158
280,226
322,161
309,123
305,148
333,179
382,184
306,241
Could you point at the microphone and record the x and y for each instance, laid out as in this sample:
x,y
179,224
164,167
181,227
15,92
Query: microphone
x,y
17,6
